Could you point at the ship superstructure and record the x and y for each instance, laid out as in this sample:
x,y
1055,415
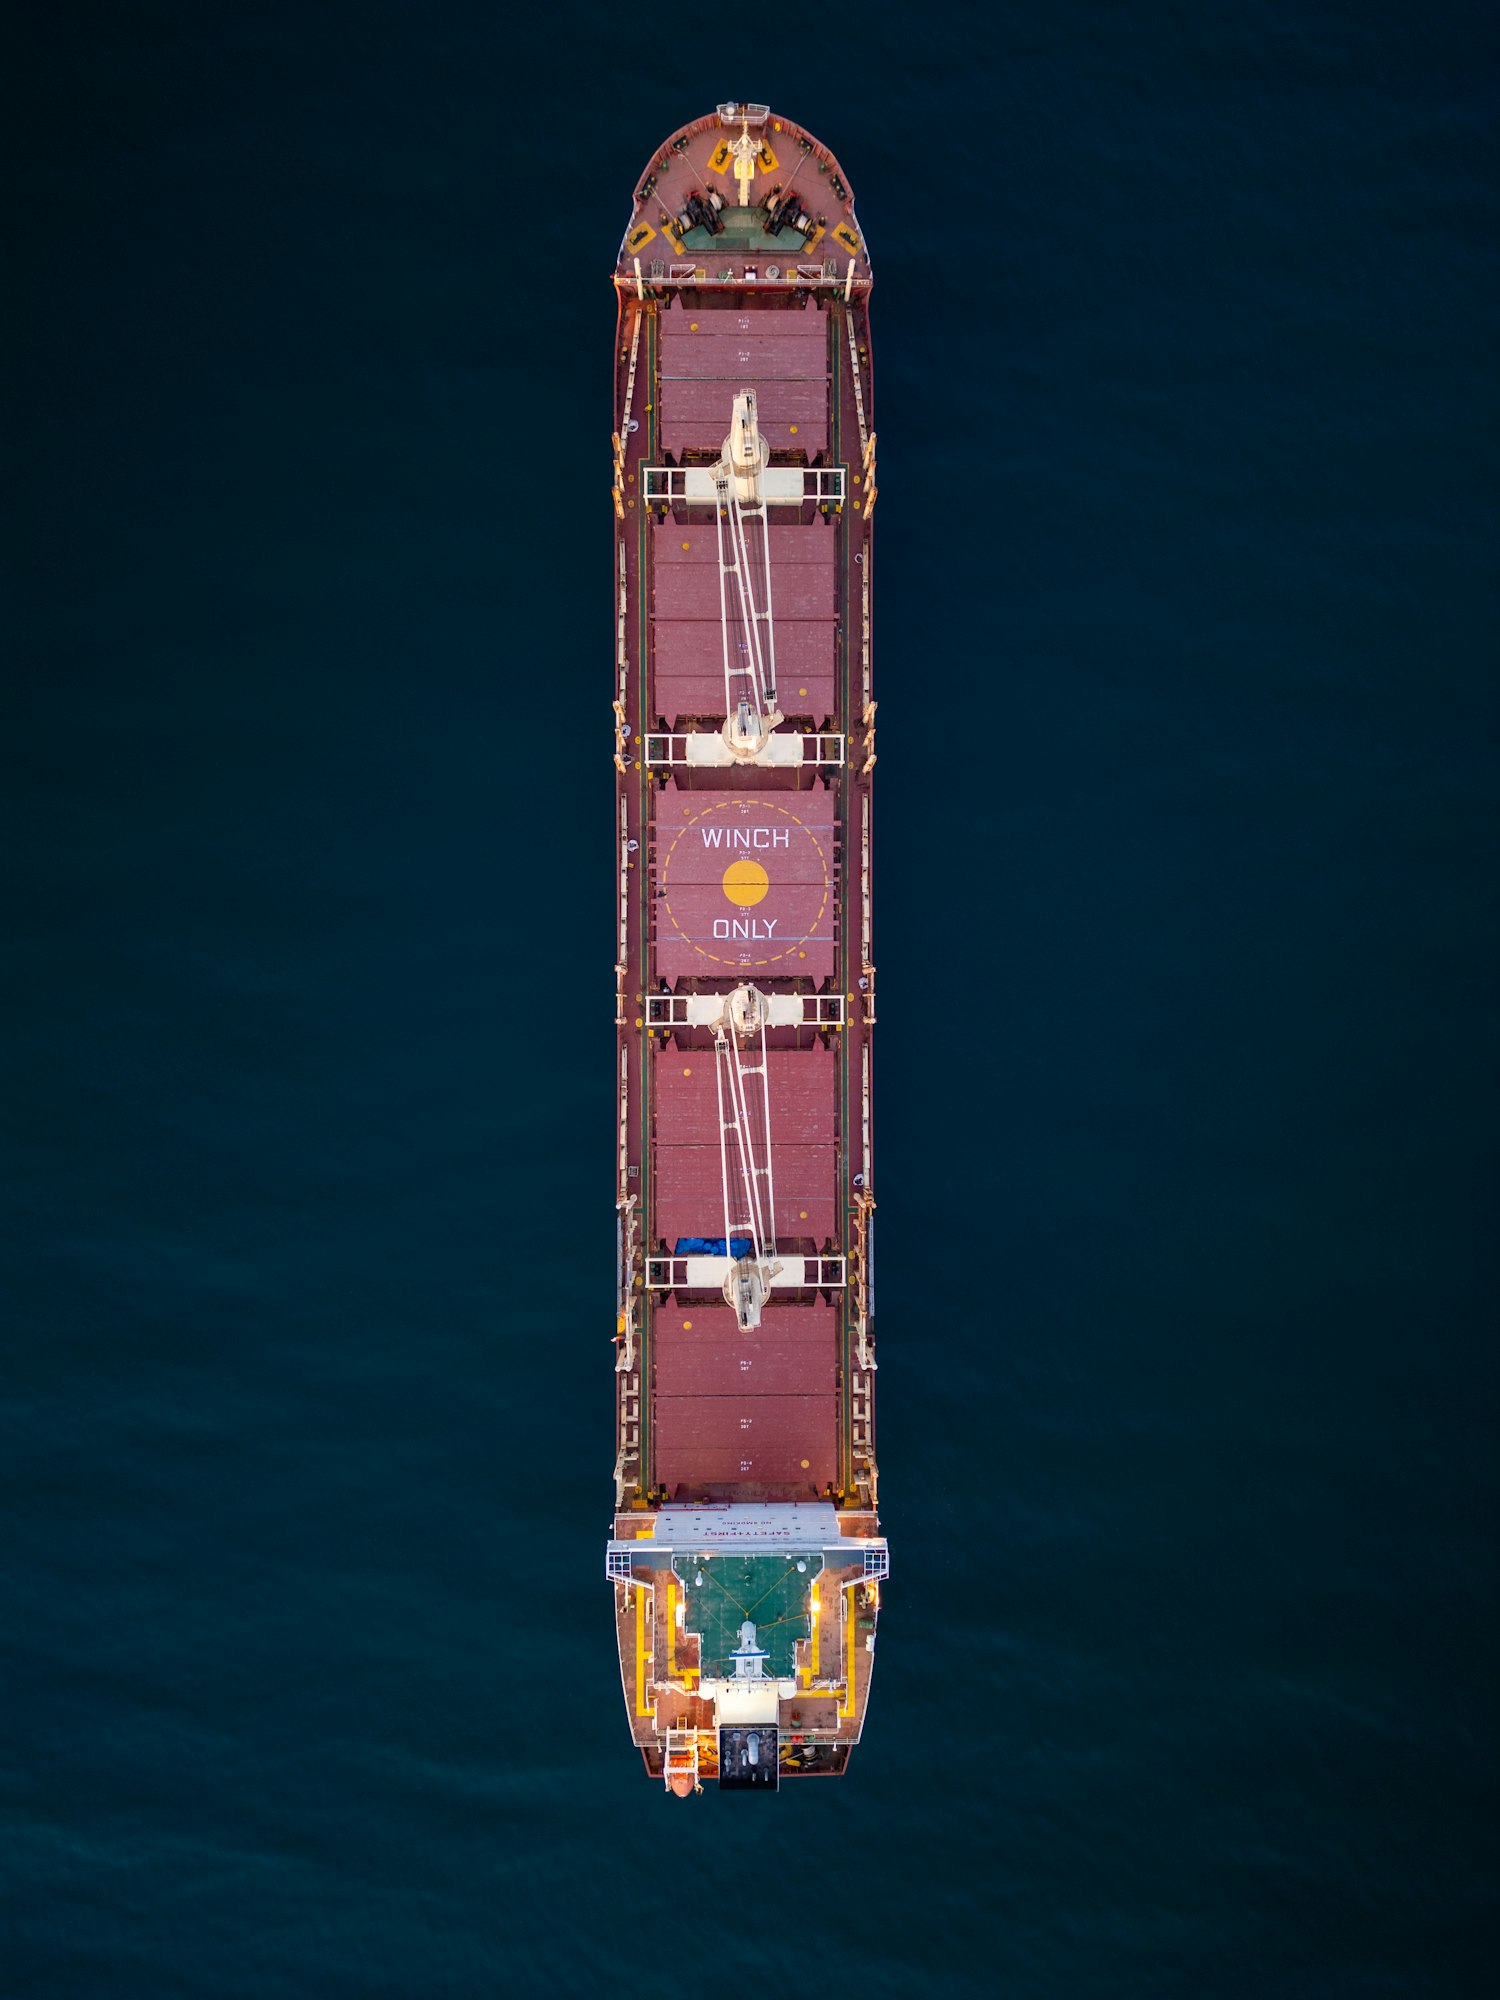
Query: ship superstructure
x,y
746,1558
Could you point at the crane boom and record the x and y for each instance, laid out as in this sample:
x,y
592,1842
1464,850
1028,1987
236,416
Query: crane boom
x,y
745,610
745,1160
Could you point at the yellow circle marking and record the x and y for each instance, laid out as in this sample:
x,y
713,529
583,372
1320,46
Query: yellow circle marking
x,y
805,1463
693,326
687,1072
802,1213
745,883
692,815
687,545
794,433
802,690
687,1326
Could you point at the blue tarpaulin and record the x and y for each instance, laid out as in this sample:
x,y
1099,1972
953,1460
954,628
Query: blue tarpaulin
x,y
712,1246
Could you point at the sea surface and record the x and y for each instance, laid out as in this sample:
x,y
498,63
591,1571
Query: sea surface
x,y
1185,339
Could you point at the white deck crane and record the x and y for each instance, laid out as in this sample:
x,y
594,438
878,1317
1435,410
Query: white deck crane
x,y
742,487
745,585
745,1151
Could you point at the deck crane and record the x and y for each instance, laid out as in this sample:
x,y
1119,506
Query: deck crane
x,y
745,584
745,1151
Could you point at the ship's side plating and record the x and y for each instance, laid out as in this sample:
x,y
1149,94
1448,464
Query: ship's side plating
x,y
746,1558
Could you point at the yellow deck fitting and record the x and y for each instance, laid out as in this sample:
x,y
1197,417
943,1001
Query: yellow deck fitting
x,y
643,1705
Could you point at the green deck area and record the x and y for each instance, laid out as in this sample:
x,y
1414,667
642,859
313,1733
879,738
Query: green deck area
x,y
745,229
769,1590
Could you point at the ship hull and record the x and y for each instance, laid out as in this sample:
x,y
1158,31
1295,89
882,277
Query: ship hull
x,y
742,593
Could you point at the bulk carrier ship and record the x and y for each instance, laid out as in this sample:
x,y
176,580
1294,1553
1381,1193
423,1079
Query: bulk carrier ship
x,y
746,1558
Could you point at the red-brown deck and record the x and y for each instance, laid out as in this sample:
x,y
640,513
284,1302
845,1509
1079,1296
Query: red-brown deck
x,y
688,665
707,357
746,884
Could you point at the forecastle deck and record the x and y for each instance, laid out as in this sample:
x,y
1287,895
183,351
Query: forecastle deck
x,y
746,1557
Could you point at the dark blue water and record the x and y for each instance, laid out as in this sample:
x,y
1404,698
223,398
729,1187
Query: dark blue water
x,y
1188,601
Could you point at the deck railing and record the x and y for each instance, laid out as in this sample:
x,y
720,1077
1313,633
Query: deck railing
x,y
688,271
664,753
707,1274
685,1010
693,485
